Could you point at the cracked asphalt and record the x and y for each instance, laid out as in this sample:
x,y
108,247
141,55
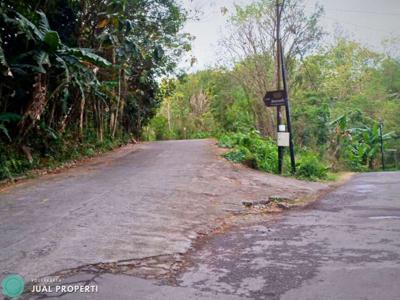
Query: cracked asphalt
x,y
139,207
344,246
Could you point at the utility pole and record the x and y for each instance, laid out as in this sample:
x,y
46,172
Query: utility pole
x,y
287,108
278,79
381,139
280,98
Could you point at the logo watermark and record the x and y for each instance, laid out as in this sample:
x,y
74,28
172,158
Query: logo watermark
x,y
13,286
54,285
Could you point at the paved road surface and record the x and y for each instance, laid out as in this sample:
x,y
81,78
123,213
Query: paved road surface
x,y
140,209
140,202
347,246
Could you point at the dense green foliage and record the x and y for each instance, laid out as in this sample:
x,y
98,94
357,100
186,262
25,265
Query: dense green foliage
x,y
338,94
76,76
359,146
79,77
342,127
310,166
251,149
261,153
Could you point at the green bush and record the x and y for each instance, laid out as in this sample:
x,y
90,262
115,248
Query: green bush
x,y
226,141
56,152
309,166
243,155
262,153
251,149
160,127
12,163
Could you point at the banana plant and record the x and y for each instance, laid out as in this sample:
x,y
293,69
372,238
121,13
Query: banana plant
x,y
46,57
360,144
48,47
366,145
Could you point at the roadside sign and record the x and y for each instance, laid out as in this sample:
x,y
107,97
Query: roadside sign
x,y
283,139
275,98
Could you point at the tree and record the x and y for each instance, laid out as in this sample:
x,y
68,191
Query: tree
x,y
251,51
80,72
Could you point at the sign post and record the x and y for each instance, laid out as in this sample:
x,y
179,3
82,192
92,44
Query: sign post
x,y
279,98
283,137
381,142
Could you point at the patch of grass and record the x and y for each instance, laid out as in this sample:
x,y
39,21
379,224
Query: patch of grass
x,y
310,167
251,149
14,163
261,153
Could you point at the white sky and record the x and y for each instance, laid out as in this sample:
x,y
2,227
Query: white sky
x,y
367,21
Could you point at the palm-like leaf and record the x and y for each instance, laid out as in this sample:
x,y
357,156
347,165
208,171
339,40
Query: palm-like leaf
x,y
42,58
9,117
3,61
52,40
4,130
43,23
87,56
25,26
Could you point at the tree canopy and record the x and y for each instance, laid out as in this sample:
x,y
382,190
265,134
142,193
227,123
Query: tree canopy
x,y
342,80
75,72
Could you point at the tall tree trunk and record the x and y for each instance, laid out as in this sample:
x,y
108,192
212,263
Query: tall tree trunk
x,y
52,111
35,107
98,119
82,111
63,123
115,125
101,122
111,125
123,97
169,114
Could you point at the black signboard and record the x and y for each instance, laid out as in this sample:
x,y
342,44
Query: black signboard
x,y
275,98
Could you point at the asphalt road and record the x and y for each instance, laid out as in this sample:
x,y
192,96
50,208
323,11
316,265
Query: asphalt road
x,y
345,246
146,203
139,203
123,219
